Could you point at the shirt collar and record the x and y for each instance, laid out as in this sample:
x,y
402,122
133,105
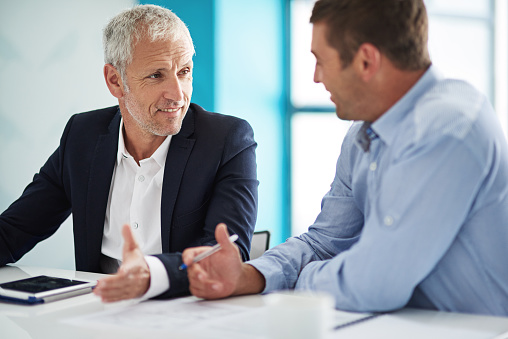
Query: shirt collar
x,y
122,151
159,155
383,127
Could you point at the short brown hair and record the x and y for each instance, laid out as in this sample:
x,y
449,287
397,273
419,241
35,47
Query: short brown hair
x,y
398,28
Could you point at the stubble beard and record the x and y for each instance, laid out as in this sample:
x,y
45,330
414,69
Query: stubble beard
x,y
135,110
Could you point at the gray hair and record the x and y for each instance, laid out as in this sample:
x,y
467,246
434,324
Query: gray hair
x,y
128,27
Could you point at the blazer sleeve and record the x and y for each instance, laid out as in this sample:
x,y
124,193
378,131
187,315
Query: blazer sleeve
x,y
38,212
235,194
234,202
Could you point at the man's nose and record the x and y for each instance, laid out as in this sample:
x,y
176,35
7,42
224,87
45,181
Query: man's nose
x,y
317,75
173,89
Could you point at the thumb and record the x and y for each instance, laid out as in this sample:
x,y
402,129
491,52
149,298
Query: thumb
x,y
130,243
222,236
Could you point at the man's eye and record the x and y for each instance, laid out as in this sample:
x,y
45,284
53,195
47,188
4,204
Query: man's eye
x,y
185,71
154,76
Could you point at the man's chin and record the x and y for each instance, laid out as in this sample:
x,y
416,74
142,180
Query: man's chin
x,y
173,130
341,115
166,133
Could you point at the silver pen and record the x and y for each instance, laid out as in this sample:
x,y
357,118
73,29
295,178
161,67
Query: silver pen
x,y
208,253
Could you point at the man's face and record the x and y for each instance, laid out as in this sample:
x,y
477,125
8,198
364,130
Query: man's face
x,y
159,81
343,84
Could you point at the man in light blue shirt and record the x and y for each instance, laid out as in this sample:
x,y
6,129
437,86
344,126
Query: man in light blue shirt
x,y
417,214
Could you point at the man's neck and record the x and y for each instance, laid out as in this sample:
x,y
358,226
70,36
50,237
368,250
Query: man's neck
x,y
140,145
394,84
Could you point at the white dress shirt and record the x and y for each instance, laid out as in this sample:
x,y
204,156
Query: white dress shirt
x,y
135,199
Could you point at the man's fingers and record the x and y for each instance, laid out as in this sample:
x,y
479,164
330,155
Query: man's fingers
x,y
126,284
196,275
189,254
208,290
199,279
130,243
111,295
202,284
114,282
222,236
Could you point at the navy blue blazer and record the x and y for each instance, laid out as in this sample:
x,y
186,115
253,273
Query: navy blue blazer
x,y
210,177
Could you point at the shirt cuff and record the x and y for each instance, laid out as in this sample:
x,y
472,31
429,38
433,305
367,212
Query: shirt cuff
x,y
159,280
266,268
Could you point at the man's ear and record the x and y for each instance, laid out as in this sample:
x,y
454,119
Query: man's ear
x,y
114,81
367,61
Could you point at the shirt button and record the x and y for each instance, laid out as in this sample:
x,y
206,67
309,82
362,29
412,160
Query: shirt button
x,y
141,178
388,220
135,225
373,166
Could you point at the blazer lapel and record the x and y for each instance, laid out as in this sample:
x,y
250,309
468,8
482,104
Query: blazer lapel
x,y
98,188
176,160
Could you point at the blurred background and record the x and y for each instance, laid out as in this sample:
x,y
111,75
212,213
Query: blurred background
x,y
252,60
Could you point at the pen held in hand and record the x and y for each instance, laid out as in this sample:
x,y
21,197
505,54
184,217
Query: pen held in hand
x,y
208,253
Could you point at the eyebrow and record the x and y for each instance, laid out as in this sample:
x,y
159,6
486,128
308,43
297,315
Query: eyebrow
x,y
188,63
164,69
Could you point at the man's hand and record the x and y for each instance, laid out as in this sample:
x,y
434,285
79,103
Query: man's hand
x,y
133,277
222,274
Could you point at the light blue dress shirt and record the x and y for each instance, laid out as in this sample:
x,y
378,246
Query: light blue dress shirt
x,y
419,219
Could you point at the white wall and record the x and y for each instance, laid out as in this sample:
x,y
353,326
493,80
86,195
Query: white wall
x,y
50,67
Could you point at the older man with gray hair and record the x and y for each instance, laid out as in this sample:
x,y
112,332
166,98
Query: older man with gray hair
x,y
156,168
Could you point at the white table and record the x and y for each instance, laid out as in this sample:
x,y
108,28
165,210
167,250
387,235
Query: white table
x,y
50,320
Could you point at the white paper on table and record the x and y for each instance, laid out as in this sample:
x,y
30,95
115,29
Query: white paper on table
x,y
177,316
190,316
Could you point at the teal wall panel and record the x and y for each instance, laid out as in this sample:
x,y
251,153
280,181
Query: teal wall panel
x,y
249,68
